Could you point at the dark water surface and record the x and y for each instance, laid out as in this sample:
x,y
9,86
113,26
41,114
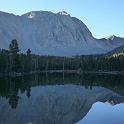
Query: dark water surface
x,y
62,99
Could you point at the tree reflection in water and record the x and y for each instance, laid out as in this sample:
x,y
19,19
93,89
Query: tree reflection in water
x,y
11,87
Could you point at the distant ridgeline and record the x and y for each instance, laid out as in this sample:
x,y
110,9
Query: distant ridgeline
x,y
13,61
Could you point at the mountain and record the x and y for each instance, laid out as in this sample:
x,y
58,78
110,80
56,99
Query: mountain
x,y
118,50
47,33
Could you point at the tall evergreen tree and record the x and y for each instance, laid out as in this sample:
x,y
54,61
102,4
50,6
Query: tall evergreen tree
x,y
29,61
14,57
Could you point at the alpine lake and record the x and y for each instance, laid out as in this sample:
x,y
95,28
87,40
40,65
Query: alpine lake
x,y
58,98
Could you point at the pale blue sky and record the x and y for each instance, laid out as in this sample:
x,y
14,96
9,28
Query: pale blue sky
x,y
103,17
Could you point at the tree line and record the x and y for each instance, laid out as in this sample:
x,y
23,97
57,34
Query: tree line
x,y
13,60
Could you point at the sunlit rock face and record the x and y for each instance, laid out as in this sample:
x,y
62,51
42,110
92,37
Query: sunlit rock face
x,y
59,104
47,33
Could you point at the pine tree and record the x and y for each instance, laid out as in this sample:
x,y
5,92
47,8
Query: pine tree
x,y
29,61
14,57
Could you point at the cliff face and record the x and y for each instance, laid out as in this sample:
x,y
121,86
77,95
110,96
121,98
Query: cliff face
x,y
46,33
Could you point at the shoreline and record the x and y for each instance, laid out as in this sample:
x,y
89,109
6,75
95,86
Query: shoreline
x,y
14,74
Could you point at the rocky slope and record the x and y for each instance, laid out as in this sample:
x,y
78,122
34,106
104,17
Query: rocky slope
x,y
119,50
46,33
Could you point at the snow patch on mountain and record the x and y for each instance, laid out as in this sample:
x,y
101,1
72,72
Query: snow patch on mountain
x,y
63,13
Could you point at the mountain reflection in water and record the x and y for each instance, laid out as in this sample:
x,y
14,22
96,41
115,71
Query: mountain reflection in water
x,y
54,99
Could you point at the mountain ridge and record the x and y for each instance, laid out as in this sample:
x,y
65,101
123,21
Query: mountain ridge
x,y
57,34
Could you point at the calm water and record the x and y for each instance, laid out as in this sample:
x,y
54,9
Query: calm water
x,y
62,99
